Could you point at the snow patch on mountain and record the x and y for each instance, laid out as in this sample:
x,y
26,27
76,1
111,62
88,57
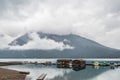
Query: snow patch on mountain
x,y
36,42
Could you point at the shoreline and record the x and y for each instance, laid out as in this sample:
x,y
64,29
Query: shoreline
x,y
8,74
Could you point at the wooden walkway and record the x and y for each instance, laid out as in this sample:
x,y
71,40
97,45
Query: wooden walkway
x,y
42,77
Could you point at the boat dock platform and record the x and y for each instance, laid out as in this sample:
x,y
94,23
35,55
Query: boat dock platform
x,y
42,77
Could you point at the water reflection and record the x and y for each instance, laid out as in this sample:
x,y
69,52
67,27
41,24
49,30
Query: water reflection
x,y
78,68
108,75
73,72
37,70
83,74
53,73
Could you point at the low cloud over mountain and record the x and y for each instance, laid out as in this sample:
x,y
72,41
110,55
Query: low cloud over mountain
x,y
44,45
33,40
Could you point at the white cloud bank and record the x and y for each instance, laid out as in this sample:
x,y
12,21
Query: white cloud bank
x,y
98,20
43,44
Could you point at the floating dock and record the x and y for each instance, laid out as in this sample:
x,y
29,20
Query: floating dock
x,y
74,64
64,63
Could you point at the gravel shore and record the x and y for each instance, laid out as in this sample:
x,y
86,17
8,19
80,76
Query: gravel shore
x,y
6,74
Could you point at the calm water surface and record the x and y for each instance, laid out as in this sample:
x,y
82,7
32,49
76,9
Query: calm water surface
x,y
54,73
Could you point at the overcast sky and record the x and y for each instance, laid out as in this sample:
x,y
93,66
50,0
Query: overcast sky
x,y
98,20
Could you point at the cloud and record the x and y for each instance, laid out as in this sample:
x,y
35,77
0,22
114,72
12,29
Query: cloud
x,y
4,39
96,20
42,44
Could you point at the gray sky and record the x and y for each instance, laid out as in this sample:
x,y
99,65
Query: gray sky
x,y
98,20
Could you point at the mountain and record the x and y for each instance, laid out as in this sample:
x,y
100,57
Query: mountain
x,y
57,46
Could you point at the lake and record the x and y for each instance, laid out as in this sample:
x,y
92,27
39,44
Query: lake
x,y
54,73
